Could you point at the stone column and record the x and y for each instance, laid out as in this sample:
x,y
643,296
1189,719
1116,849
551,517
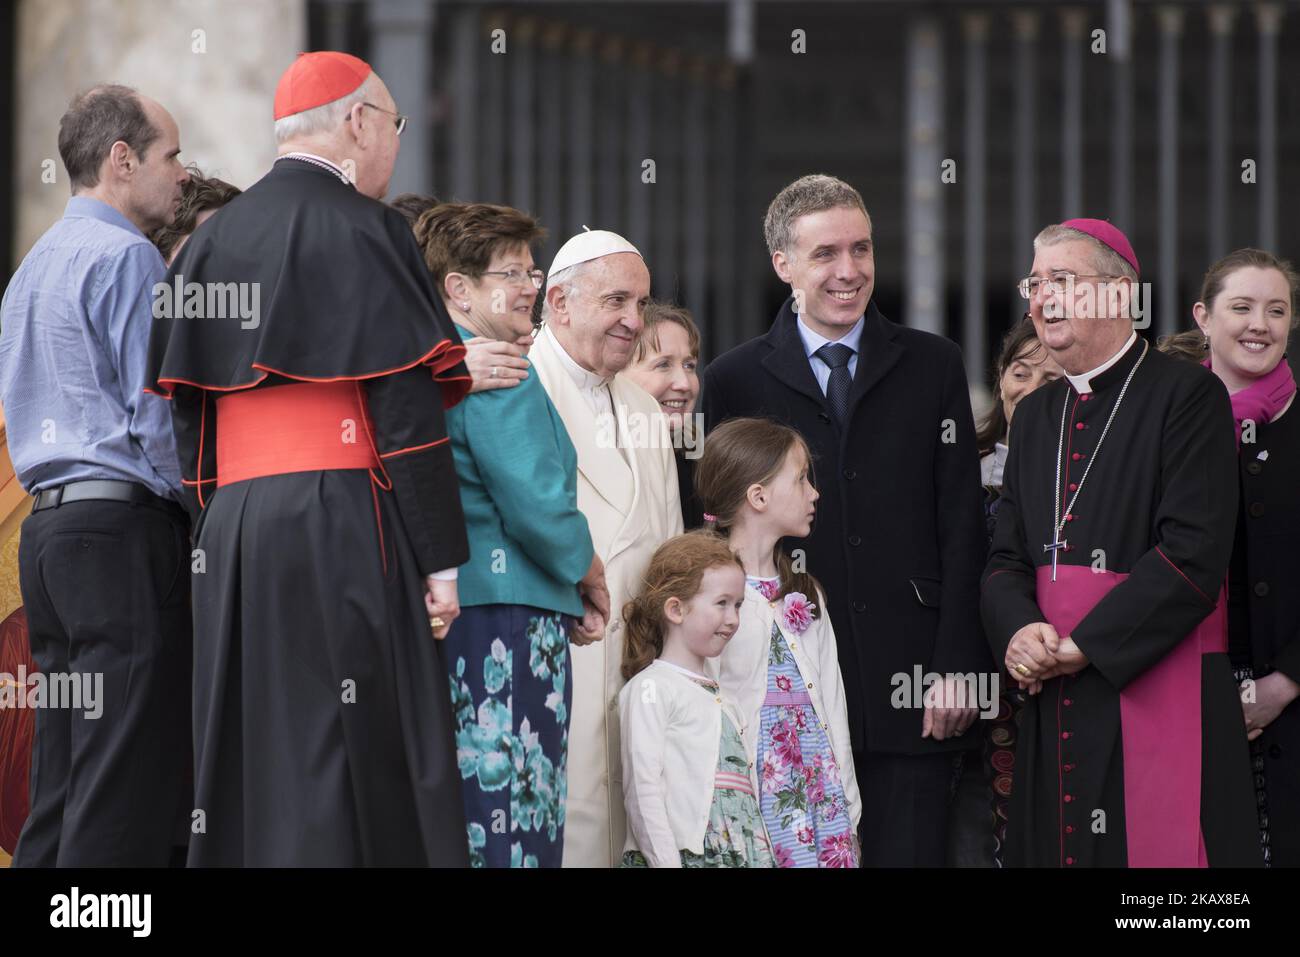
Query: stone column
x,y
1024,202
923,204
580,105
1268,19
695,188
1220,132
973,186
467,46
1171,28
1074,41
1119,21
213,66
523,115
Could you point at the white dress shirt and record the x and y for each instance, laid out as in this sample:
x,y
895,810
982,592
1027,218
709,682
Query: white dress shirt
x,y
594,389
812,341
992,465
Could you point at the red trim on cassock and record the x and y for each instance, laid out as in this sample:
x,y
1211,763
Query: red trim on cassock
x,y
995,575
415,448
1184,577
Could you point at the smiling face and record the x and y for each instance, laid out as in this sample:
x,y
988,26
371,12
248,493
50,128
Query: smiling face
x,y
496,306
831,268
598,324
1248,323
1082,326
668,372
707,621
1033,366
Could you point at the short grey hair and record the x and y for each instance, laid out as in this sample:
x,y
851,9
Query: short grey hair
x,y
1105,260
326,118
808,194
568,279
95,120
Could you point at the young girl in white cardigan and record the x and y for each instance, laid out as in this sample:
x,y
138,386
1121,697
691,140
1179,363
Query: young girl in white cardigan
x,y
688,781
781,666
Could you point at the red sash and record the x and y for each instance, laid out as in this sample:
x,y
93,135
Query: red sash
x,y
300,427
1160,720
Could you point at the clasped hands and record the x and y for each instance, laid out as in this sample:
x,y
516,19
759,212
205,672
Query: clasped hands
x,y
1038,654
595,605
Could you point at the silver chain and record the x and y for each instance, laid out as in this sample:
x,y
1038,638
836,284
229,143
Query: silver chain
x,y
1060,447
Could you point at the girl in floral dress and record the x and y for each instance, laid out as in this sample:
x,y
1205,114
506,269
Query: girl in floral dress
x,y
782,666
688,781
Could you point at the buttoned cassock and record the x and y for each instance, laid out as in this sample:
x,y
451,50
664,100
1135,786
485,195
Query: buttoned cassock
x,y
632,504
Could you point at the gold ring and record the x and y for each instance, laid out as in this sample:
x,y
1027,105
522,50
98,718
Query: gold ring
x,y
1022,669
436,622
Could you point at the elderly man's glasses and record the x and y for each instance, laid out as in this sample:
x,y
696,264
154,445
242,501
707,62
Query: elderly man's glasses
x,y
1056,285
399,118
517,277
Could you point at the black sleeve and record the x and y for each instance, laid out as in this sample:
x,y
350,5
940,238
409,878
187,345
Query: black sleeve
x,y
194,423
1176,584
410,432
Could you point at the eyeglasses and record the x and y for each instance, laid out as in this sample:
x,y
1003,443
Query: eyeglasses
x,y
1056,285
399,122
516,277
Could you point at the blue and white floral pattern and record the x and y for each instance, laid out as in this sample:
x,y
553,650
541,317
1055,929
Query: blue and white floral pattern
x,y
510,697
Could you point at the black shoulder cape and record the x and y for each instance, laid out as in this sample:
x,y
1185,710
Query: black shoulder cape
x,y
341,289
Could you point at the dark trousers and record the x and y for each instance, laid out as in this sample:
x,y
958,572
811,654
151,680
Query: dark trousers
x,y
905,800
106,587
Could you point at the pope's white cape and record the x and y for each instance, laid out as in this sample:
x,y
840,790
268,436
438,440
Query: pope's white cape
x,y
631,510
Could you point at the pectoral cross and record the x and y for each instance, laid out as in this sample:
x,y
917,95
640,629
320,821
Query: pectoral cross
x,y
1055,548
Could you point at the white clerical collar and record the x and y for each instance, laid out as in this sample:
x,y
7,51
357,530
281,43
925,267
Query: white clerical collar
x,y
812,341
585,381
318,161
1083,383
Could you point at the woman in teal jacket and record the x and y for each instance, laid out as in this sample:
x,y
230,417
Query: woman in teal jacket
x,y
533,582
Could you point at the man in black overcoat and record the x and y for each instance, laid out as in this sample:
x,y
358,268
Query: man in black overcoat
x,y
899,539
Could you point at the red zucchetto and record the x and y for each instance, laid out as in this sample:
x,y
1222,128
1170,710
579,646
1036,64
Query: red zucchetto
x,y
318,78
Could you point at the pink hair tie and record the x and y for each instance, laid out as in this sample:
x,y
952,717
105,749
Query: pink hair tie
x,y
710,518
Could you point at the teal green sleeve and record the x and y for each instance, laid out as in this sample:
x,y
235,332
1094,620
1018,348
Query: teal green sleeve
x,y
513,443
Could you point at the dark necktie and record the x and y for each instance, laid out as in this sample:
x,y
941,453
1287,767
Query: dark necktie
x,y
837,357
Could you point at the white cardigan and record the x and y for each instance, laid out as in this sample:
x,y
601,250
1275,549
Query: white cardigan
x,y
672,733
742,672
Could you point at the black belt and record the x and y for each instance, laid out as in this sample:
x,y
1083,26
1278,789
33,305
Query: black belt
x,y
94,490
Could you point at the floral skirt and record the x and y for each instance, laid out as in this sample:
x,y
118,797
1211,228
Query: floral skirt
x,y
802,800
510,699
735,836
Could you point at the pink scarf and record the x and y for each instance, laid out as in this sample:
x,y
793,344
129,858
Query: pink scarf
x,y
1263,398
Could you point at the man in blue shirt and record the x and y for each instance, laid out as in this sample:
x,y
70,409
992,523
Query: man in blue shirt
x,y
104,556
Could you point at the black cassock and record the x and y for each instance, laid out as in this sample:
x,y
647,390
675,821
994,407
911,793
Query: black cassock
x,y
1149,540
322,724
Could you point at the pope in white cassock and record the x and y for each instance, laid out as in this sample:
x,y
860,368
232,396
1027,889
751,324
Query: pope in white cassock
x,y
596,290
